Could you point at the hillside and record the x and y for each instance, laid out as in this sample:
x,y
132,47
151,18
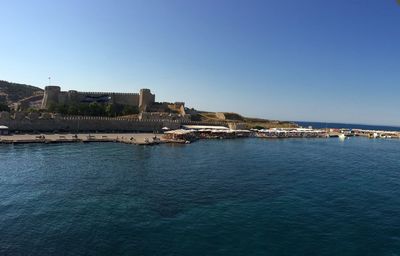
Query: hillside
x,y
234,117
14,92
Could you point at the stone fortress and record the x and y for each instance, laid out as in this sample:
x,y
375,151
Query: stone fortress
x,y
144,100
54,95
152,116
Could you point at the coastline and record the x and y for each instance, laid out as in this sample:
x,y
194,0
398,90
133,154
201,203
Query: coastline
x,y
187,136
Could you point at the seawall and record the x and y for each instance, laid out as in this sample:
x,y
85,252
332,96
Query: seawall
x,y
91,124
87,124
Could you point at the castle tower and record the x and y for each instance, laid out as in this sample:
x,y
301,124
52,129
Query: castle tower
x,y
51,94
73,97
146,99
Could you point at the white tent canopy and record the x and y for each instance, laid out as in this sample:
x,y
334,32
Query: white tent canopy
x,y
179,132
205,127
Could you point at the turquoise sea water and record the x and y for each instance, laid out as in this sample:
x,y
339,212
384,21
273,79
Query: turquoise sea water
x,y
222,197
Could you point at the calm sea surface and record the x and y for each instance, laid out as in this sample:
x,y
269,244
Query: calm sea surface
x,y
228,197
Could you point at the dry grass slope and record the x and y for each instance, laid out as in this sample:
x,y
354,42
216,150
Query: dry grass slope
x,y
14,92
250,122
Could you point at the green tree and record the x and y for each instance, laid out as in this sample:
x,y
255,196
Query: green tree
x,y
83,109
4,107
258,127
32,110
52,107
130,110
96,109
118,109
110,110
73,110
62,109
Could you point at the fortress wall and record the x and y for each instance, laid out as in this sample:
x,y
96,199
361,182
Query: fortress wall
x,y
53,94
173,125
131,99
146,98
73,96
84,125
107,93
126,99
50,96
63,98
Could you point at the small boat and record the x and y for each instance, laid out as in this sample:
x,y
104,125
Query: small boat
x,y
342,136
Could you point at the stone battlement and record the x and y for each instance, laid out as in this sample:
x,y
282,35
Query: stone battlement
x,y
54,95
107,93
56,123
46,122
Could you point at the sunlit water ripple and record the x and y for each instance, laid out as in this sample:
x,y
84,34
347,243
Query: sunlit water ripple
x,y
230,197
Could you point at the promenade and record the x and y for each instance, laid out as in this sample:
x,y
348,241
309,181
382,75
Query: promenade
x,y
131,138
186,136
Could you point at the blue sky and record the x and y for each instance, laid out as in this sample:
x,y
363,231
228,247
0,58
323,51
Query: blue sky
x,y
315,60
